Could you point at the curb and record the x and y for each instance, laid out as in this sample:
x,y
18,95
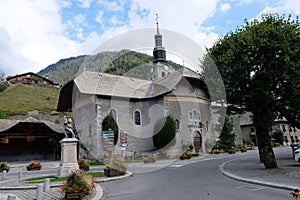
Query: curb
x,y
99,180
253,181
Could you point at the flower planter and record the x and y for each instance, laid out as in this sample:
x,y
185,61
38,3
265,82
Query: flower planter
x,y
113,172
33,168
75,195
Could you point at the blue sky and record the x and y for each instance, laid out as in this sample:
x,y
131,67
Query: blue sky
x,y
37,33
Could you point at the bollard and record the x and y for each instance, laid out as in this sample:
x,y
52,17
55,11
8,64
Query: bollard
x,y
20,175
39,191
3,174
11,197
47,185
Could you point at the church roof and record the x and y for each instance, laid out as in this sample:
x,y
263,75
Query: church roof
x,y
121,86
102,84
111,85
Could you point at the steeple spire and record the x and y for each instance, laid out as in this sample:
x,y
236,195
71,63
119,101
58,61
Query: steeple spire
x,y
157,28
159,52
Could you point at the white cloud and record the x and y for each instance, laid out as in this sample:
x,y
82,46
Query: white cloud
x,y
99,18
244,2
85,3
282,7
36,35
224,7
112,5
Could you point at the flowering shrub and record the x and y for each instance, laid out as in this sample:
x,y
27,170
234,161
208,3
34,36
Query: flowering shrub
x,y
116,166
4,166
216,151
84,163
295,193
77,182
243,148
151,158
186,154
34,165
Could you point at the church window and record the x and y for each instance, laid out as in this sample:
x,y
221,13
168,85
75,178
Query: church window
x,y
191,115
177,124
113,113
90,129
163,74
137,117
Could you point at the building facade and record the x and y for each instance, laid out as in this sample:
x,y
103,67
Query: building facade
x,y
137,105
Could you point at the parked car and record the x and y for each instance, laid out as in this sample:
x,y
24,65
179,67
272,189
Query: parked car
x,y
297,155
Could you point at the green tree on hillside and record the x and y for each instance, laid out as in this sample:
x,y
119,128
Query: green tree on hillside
x,y
260,66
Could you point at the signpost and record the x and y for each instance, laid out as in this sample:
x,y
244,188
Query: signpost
x,y
108,139
123,142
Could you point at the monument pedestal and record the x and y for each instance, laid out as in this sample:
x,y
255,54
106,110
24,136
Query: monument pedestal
x,y
68,160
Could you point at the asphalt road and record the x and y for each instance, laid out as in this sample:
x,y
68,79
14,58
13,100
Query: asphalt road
x,y
189,180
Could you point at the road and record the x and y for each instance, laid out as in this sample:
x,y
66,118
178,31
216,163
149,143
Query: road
x,y
194,179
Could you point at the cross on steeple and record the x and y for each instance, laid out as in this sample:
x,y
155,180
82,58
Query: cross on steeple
x,y
156,19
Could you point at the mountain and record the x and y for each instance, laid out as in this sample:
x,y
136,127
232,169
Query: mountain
x,y
125,62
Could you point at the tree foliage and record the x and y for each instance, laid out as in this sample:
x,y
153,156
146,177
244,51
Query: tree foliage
x,y
164,132
260,66
3,115
109,123
277,135
227,136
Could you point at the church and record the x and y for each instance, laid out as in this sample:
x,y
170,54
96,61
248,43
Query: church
x,y
137,104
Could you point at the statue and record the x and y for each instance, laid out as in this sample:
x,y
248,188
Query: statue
x,y
68,127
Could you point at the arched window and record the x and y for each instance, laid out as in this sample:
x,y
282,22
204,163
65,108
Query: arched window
x,y
177,124
137,117
163,74
113,113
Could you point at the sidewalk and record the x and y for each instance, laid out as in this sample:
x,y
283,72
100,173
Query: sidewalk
x,y
249,169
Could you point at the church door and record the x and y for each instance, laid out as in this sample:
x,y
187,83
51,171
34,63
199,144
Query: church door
x,y
197,141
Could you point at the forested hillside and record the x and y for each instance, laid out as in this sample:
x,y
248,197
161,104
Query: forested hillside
x,y
125,62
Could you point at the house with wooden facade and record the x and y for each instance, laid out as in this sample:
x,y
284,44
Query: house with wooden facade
x,y
31,78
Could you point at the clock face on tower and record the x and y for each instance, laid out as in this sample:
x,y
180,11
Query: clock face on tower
x,y
166,67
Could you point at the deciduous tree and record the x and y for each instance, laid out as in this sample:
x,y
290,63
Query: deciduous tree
x,y
260,66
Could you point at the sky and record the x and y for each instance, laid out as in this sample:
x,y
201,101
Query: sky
x,y
37,33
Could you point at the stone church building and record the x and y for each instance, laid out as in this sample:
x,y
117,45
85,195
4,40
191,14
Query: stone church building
x,y
137,104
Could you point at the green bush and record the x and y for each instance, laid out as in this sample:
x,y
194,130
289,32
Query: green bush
x,y
3,114
109,123
278,136
4,166
164,132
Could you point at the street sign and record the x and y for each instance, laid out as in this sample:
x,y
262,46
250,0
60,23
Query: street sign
x,y
108,139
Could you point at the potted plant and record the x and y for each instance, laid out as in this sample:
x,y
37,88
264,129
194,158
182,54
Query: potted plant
x,y
116,167
232,150
84,163
33,165
77,185
186,154
4,166
151,158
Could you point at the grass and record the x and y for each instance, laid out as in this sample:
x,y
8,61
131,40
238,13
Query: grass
x,y
96,164
54,179
19,99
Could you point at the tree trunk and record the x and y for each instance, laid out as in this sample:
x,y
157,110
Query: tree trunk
x,y
262,123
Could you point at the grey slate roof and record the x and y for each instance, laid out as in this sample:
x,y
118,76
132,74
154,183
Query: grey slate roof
x,y
121,86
